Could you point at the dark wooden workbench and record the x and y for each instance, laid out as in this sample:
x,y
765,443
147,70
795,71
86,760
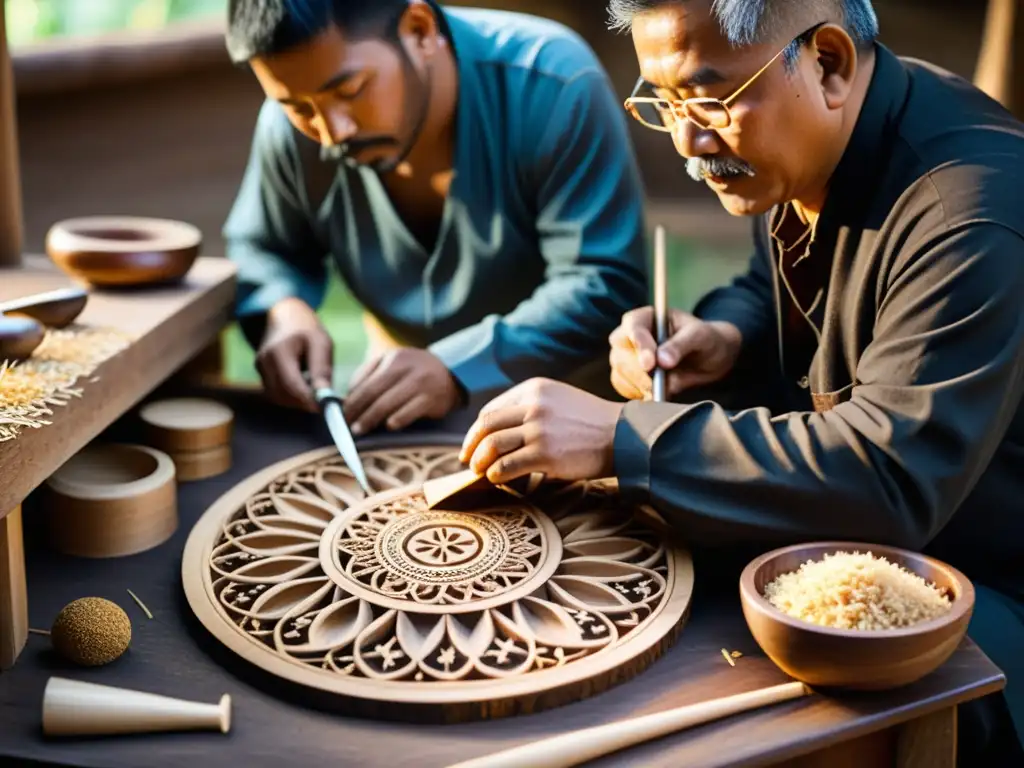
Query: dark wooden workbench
x,y
173,655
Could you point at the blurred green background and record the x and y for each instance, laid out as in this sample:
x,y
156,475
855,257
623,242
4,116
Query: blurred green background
x,y
29,21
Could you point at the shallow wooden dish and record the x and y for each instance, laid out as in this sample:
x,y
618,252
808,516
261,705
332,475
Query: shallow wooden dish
x,y
112,500
851,659
109,251
56,309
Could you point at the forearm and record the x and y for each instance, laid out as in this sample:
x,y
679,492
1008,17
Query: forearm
x,y
934,393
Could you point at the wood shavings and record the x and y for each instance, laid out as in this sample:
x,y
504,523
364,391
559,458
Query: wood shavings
x,y
728,658
30,389
142,605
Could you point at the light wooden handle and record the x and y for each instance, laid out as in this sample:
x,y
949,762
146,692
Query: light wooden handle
x,y
660,309
577,747
994,73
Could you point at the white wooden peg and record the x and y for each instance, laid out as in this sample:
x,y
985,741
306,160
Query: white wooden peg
x,y
75,708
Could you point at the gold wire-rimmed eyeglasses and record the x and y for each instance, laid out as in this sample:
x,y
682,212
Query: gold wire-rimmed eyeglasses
x,y
706,113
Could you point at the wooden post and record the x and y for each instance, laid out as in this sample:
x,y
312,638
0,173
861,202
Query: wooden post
x,y
999,63
13,595
11,225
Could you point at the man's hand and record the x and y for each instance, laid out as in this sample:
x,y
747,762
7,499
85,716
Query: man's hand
x,y
294,342
543,426
696,353
400,386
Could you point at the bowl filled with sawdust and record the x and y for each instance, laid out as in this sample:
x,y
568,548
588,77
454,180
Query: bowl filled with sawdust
x,y
855,616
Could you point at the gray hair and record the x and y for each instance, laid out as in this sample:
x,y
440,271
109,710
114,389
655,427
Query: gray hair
x,y
744,22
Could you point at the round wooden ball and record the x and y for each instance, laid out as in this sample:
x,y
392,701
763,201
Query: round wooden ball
x,y
91,631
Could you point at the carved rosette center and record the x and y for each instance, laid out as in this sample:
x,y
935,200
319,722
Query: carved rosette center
x,y
402,555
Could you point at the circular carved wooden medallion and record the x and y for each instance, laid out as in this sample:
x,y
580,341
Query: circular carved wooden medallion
x,y
432,614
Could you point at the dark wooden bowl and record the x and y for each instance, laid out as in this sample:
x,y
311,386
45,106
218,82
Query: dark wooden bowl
x,y
19,337
122,251
56,309
824,657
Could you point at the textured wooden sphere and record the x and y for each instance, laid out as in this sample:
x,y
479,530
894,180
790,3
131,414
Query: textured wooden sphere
x,y
91,631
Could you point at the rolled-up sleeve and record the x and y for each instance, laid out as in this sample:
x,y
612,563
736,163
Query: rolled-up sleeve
x,y
269,233
936,389
590,225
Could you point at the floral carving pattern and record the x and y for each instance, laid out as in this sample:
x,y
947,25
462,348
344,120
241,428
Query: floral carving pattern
x,y
387,590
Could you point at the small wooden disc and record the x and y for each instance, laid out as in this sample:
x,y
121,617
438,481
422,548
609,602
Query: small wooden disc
x,y
112,500
187,424
198,465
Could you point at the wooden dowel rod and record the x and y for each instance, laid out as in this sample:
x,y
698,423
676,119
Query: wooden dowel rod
x,y
11,224
995,69
660,309
580,746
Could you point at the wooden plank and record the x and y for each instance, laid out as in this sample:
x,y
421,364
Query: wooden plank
x,y
929,741
13,593
170,325
11,224
875,749
996,61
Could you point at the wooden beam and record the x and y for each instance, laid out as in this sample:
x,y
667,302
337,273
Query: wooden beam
x,y
999,63
11,223
13,599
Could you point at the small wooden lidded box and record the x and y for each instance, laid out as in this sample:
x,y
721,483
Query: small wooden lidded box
x,y
195,432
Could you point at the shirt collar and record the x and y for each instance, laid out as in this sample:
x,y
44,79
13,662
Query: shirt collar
x,y
861,169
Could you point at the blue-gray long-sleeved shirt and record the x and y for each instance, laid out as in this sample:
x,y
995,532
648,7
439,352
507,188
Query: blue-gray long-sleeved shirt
x,y
541,246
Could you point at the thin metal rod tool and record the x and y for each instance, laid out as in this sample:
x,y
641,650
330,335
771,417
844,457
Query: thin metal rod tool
x,y
660,309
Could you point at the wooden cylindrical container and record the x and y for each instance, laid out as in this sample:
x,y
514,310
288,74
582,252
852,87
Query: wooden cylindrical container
x,y
195,432
112,500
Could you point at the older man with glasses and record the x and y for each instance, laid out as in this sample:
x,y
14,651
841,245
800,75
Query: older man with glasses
x,y
863,379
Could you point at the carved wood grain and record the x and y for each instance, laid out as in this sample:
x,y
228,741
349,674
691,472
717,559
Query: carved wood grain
x,y
519,606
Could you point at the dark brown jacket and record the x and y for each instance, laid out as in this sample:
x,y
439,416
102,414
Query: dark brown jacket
x,y
906,425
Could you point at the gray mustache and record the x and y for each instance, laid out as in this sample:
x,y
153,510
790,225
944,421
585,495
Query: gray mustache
x,y
698,167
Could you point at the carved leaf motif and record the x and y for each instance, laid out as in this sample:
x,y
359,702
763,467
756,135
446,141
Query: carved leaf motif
x,y
293,597
278,523
334,627
306,509
582,593
512,651
471,642
272,570
548,623
268,544
339,483
620,548
419,635
595,524
600,569
378,654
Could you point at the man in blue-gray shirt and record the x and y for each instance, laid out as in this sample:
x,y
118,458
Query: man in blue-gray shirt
x,y
471,175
